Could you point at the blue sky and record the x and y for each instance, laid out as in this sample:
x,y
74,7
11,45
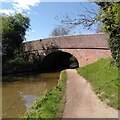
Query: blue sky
x,y
43,15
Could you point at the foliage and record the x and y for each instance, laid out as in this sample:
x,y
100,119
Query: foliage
x,y
103,77
73,59
13,34
51,104
50,47
18,61
33,58
73,62
16,65
31,55
110,15
85,18
61,31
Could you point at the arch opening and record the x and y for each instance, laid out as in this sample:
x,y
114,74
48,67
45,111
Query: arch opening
x,y
59,60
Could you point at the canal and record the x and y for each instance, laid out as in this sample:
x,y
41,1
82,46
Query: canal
x,y
18,95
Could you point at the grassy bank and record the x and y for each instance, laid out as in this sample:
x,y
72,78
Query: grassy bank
x,y
103,77
50,104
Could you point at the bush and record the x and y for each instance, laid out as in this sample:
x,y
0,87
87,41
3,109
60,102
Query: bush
x,y
19,60
17,65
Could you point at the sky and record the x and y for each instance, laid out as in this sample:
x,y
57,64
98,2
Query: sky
x,y
45,16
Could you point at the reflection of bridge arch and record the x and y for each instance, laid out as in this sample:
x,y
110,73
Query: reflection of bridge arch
x,y
59,60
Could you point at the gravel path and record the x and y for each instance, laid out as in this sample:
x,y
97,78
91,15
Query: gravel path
x,y
82,101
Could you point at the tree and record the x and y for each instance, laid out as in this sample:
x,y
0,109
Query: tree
x,y
61,31
87,19
13,34
110,15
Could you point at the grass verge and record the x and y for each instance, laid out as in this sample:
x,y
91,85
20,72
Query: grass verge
x,y
50,104
103,77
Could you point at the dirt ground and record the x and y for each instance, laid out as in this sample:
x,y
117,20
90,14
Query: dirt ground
x,y
82,101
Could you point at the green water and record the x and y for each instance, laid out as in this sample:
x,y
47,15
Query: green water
x,y
18,96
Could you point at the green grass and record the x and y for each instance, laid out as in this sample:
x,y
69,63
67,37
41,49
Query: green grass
x,y
103,77
51,104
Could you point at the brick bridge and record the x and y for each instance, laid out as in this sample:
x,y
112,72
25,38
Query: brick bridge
x,y
86,48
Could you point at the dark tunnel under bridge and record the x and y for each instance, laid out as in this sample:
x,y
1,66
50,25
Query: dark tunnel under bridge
x,y
59,60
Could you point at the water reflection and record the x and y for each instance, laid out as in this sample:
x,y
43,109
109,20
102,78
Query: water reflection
x,y
18,96
28,99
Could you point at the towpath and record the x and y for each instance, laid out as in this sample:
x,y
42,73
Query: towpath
x,y
82,101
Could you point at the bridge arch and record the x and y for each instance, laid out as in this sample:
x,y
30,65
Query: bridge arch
x,y
59,60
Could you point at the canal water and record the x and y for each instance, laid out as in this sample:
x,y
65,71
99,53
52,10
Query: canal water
x,y
17,96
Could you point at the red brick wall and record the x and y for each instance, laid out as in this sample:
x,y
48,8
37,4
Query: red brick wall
x,y
87,56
